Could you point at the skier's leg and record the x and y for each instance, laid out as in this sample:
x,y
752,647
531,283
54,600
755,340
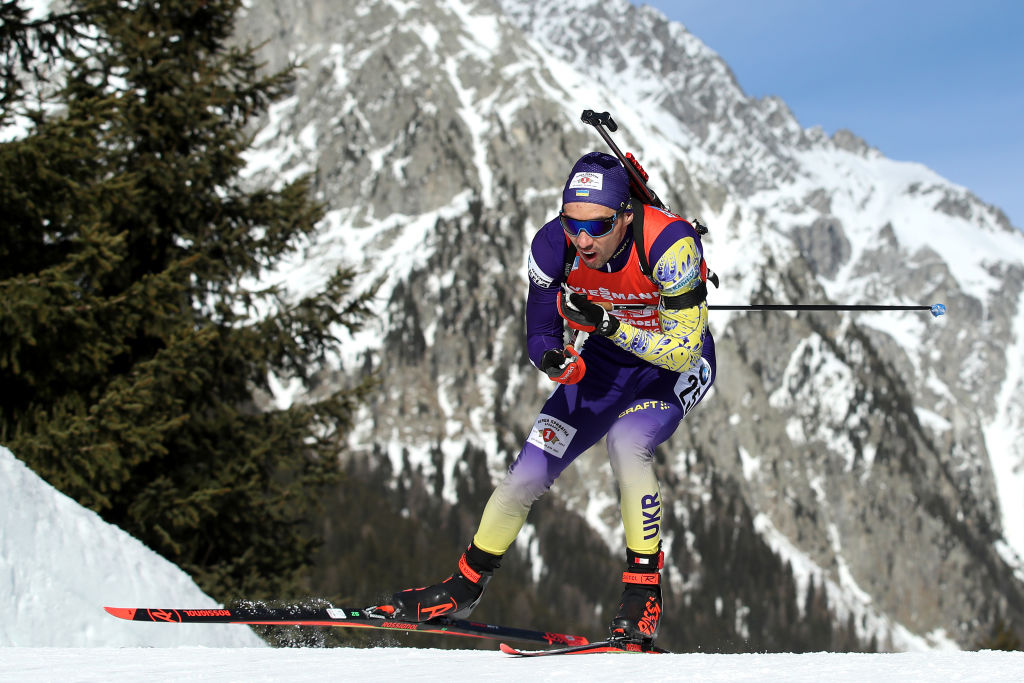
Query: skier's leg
x,y
631,443
565,428
570,422
647,422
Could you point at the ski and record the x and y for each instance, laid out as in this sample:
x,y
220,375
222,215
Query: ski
x,y
586,649
348,617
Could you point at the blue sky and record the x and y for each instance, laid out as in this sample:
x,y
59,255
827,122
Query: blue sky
x,y
938,82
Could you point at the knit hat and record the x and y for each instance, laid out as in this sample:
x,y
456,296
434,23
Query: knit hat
x,y
597,178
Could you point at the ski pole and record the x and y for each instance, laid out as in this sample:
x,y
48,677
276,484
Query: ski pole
x,y
935,309
581,337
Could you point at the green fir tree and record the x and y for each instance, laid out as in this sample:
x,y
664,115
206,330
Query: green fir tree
x,y
134,340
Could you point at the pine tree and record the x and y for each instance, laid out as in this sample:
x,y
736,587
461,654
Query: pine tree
x,y
1002,637
133,340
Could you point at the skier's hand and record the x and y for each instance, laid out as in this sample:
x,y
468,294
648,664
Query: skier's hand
x,y
563,365
583,314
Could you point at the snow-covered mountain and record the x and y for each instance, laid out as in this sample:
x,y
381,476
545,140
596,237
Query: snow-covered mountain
x,y
60,564
878,453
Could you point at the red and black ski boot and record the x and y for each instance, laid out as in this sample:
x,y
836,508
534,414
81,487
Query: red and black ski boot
x,y
456,596
639,614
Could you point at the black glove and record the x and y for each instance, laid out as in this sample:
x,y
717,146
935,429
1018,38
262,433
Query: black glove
x,y
563,365
582,314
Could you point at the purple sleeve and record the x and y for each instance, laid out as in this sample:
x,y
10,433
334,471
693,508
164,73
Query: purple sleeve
x,y
543,324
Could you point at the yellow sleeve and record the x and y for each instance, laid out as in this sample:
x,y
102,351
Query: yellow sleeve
x,y
678,346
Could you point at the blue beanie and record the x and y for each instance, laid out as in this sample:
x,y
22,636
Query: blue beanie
x,y
597,178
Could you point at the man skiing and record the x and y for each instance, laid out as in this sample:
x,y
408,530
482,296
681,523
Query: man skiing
x,y
648,361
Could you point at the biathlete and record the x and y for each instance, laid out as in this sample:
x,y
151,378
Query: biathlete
x,y
633,277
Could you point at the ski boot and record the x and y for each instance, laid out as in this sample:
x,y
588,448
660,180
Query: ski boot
x,y
455,597
639,614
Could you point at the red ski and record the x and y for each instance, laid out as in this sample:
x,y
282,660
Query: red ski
x,y
349,617
586,649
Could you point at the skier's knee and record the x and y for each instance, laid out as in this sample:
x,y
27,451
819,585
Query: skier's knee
x,y
519,489
624,448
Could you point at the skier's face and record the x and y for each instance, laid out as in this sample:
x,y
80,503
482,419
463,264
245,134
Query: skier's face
x,y
595,252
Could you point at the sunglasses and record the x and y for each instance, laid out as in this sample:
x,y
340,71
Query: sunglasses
x,y
598,227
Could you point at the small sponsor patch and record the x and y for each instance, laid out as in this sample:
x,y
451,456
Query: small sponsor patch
x,y
587,180
705,371
551,435
335,613
539,277
646,405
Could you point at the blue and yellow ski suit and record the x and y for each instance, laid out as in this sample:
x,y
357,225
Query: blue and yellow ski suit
x,y
639,383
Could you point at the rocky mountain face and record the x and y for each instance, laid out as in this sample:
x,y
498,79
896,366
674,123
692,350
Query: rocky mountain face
x,y
870,462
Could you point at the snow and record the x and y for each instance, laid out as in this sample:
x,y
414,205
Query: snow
x,y
37,9
478,130
482,28
751,465
61,563
933,420
389,664
867,193
833,384
1006,451
262,155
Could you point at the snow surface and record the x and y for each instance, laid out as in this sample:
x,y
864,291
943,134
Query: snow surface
x,y
61,563
390,664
